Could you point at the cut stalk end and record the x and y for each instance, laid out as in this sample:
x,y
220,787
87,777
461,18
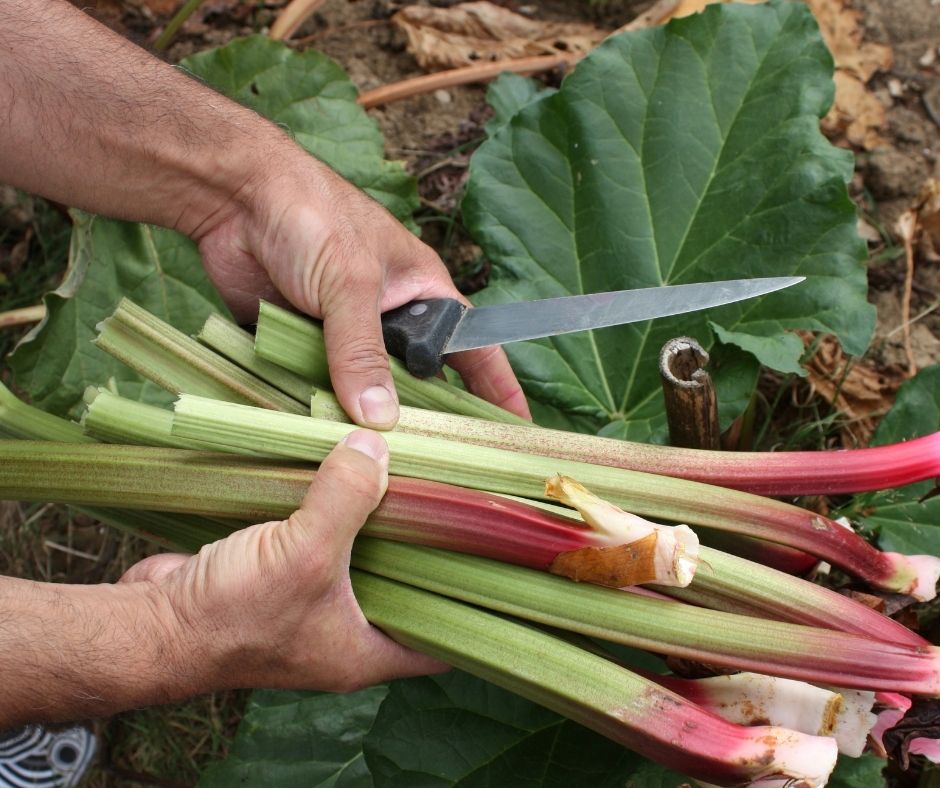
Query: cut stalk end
x,y
667,555
916,575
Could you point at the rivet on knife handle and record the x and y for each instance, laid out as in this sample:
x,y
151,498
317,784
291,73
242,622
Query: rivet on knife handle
x,y
418,331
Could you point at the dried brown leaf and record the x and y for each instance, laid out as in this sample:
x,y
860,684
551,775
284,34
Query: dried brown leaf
x,y
856,115
842,32
861,392
927,207
469,33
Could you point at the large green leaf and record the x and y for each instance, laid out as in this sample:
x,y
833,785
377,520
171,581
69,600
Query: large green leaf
x,y
904,520
303,739
306,92
313,97
454,730
863,772
157,268
672,155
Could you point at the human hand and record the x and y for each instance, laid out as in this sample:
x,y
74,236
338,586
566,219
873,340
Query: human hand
x,y
308,236
272,604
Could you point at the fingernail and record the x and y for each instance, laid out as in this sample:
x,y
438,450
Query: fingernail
x,y
369,443
379,407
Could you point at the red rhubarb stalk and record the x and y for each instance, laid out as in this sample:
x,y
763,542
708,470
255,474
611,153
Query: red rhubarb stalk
x,y
586,688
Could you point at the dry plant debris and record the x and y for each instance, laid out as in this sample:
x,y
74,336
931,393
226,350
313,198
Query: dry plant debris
x,y
469,33
927,210
857,114
861,392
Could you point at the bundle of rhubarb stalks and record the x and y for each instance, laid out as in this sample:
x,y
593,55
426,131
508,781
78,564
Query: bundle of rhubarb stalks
x,y
516,552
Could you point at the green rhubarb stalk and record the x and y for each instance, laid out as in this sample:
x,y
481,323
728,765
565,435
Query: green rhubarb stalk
x,y
758,699
130,421
237,428
297,344
414,511
665,627
736,585
178,363
605,697
145,477
238,346
765,473
19,420
175,532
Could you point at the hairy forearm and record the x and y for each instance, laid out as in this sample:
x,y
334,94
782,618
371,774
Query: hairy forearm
x,y
72,652
90,120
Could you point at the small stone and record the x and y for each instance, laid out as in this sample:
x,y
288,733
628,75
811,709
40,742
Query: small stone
x,y
895,88
443,96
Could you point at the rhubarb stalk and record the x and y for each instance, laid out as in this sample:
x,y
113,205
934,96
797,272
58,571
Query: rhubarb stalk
x,y
238,346
413,510
715,638
736,585
238,427
754,699
605,697
766,473
178,363
297,344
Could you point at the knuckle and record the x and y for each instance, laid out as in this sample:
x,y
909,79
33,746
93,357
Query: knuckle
x,y
363,354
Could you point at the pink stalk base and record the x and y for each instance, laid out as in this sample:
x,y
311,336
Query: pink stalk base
x,y
706,745
753,698
929,748
893,707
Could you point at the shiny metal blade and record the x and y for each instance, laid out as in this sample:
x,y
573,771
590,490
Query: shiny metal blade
x,y
496,325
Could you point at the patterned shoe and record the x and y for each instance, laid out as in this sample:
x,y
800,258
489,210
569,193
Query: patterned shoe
x,y
33,757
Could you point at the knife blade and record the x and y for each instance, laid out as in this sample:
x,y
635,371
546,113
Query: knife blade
x,y
420,333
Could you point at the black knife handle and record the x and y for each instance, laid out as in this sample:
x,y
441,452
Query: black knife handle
x,y
418,332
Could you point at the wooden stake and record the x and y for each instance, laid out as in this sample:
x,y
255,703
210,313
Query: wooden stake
x,y
691,404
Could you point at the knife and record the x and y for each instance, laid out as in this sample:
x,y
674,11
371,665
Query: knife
x,y
421,333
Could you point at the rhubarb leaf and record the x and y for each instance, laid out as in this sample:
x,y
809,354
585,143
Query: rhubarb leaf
x,y
156,268
303,739
312,96
676,154
160,270
778,350
652,775
903,519
507,95
863,772
455,730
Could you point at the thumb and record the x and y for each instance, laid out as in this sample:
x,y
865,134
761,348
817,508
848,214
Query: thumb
x,y
348,486
352,332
